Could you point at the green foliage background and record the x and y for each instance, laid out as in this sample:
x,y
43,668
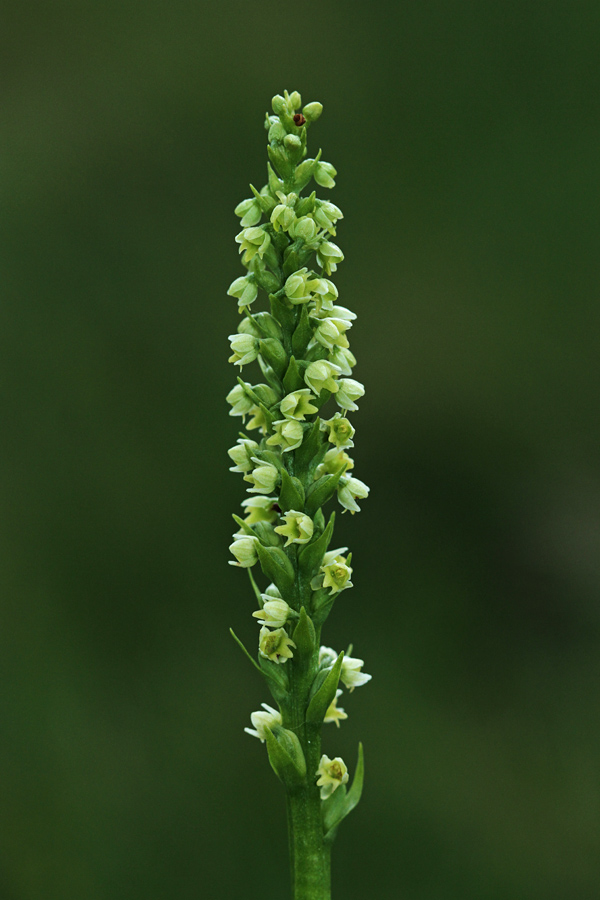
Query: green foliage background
x,y
466,138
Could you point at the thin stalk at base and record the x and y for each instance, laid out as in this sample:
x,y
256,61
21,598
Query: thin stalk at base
x,y
311,859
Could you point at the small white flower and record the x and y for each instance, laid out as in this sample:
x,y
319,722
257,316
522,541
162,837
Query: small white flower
x,y
298,528
264,477
351,676
349,391
262,720
244,347
275,645
242,455
335,714
329,255
244,550
304,228
250,212
274,613
332,773
349,490
240,402
341,431
325,295
327,655
341,312
344,358
297,405
260,509
330,333
244,290
320,375
283,214
336,575
325,174
296,287
288,434
253,241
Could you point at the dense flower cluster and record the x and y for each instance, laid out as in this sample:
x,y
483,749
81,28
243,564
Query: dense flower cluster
x,y
293,459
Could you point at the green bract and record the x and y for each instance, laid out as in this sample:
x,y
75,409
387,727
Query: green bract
x,y
296,464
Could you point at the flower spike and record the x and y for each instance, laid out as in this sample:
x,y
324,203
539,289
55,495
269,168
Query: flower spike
x,y
296,461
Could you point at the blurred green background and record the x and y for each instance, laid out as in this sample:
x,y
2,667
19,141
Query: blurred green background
x,y
467,138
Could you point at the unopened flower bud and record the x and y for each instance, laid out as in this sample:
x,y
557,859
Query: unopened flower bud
x,y
250,212
292,144
295,101
305,229
248,326
312,111
276,131
325,174
279,105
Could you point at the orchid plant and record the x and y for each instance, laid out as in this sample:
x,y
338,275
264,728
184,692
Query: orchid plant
x,y
296,462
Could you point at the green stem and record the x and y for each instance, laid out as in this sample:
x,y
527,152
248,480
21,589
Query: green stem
x,y
310,856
